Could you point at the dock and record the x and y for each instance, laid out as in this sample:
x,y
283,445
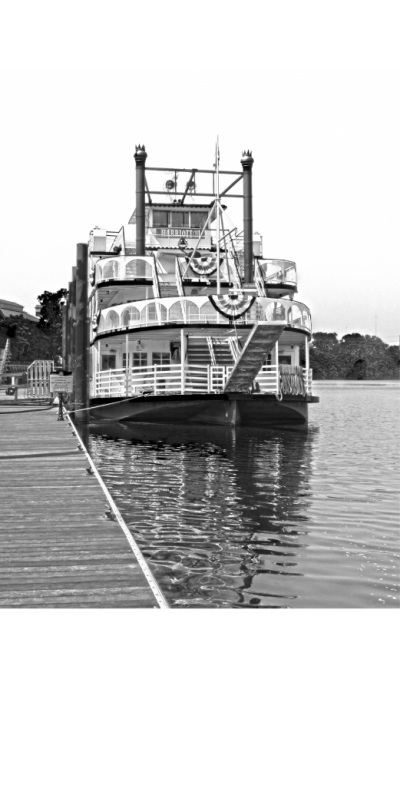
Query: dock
x,y
64,542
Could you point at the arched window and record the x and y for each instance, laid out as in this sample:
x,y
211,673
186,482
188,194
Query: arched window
x,y
295,316
99,273
129,315
112,320
272,272
163,313
275,312
290,274
306,319
110,269
138,268
192,311
102,323
149,313
175,313
209,314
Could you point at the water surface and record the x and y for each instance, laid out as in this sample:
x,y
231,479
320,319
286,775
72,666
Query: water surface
x,y
266,518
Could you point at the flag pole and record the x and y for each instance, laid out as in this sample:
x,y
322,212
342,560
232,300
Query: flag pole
x,y
218,216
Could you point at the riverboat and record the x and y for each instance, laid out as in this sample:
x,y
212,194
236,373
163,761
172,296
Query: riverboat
x,y
189,322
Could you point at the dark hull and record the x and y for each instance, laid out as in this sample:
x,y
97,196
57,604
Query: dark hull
x,y
232,409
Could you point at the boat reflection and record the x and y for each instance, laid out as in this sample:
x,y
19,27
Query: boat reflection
x,y
220,514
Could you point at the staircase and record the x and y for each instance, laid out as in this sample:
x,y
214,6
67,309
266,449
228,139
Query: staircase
x,y
209,351
222,352
259,344
198,352
168,289
6,359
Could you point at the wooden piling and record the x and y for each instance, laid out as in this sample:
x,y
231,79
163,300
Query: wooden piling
x,y
81,398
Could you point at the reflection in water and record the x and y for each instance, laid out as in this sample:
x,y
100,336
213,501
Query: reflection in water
x,y
220,514
267,519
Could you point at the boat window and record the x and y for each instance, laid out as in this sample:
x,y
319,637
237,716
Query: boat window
x,y
180,219
108,362
160,217
139,359
198,220
161,358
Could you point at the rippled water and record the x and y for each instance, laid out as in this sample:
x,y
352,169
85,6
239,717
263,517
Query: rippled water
x,y
251,518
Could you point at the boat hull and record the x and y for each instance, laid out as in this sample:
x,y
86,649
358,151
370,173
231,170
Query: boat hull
x,y
232,409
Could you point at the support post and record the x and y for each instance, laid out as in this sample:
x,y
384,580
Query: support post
x,y
81,399
183,354
247,161
140,159
64,335
127,365
307,353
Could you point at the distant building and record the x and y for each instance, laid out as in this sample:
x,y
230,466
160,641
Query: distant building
x,y
8,308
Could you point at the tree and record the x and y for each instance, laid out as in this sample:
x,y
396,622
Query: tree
x,y
51,312
51,318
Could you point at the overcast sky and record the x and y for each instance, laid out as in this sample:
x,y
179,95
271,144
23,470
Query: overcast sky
x,y
311,88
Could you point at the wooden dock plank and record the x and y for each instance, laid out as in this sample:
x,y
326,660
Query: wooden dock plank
x,y
60,543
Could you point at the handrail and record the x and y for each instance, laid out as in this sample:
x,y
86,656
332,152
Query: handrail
x,y
185,379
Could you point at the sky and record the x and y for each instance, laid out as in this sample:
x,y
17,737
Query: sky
x,y
311,88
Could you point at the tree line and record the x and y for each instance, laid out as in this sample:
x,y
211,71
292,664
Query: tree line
x,y
354,356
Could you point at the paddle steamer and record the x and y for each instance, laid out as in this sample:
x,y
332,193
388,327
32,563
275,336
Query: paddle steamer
x,y
189,322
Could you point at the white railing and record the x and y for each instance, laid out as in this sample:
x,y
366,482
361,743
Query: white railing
x,y
268,379
182,380
308,378
38,374
198,309
280,271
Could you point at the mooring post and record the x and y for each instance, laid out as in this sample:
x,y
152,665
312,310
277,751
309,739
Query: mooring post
x,y
60,417
247,161
81,399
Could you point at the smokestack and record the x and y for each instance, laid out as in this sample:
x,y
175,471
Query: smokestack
x,y
247,161
140,158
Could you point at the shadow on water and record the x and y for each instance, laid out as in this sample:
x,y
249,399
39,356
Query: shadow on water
x,y
220,514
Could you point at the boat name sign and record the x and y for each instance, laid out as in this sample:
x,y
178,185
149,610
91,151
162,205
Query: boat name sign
x,y
176,232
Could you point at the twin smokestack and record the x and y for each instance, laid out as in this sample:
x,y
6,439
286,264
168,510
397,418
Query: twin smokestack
x,y
247,161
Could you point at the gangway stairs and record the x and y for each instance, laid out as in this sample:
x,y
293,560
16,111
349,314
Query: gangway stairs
x,y
259,344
